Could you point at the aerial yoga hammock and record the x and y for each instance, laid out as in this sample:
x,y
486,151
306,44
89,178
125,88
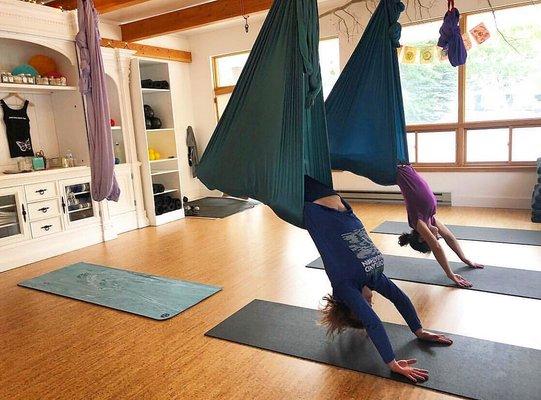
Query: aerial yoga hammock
x,y
365,111
273,130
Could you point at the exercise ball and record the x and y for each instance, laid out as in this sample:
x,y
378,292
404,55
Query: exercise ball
x,y
25,69
43,64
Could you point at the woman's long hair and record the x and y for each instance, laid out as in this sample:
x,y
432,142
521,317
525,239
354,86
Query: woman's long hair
x,y
336,316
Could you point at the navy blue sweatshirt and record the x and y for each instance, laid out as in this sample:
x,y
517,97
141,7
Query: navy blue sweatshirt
x,y
352,261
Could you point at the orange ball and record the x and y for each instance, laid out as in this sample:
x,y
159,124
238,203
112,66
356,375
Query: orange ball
x,y
43,64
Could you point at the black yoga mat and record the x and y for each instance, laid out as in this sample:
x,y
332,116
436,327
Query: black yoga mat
x,y
219,207
482,234
472,368
509,281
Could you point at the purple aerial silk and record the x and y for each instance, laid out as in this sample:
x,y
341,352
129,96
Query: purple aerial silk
x,y
92,86
451,39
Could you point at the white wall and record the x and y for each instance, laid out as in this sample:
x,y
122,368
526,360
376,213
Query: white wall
x,y
482,189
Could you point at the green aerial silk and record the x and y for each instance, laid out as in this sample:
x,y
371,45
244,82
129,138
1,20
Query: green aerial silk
x,y
273,130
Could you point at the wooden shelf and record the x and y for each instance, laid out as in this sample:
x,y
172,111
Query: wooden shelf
x,y
168,171
163,160
8,225
25,88
151,90
7,206
166,191
160,130
78,193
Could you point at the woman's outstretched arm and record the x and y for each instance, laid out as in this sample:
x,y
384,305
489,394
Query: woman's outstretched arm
x,y
436,248
451,241
354,300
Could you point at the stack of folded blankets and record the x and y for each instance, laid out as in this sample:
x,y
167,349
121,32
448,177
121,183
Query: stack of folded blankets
x,y
536,196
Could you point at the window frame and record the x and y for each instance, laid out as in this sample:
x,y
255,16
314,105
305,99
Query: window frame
x,y
221,90
462,126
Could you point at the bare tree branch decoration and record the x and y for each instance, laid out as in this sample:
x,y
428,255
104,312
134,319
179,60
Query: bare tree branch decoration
x,y
350,24
498,28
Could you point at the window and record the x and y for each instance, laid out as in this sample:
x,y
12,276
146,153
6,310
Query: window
x,y
503,82
432,147
430,91
227,69
486,113
329,60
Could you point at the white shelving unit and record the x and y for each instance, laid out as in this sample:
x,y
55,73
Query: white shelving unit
x,y
25,88
166,169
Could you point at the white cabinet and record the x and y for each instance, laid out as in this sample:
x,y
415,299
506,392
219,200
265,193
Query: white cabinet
x,y
13,216
77,204
126,202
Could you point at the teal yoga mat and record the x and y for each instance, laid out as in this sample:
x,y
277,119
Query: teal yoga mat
x,y
147,295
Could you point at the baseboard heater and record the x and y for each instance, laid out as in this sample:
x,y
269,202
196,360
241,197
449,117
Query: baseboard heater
x,y
375,196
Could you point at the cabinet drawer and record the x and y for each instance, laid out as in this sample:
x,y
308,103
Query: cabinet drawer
x,y
46,227
43,209
40,191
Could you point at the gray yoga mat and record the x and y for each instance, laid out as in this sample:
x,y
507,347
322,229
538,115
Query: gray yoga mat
x,y
219,207
500,280
472,368
481,234
147,295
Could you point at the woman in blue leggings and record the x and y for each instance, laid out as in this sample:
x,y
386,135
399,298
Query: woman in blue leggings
x,y
355,268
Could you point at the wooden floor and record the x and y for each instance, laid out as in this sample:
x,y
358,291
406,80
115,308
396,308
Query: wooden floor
x,y
56,348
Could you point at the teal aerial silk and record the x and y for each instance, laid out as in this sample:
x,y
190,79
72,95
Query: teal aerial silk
x,y
365,111
273,129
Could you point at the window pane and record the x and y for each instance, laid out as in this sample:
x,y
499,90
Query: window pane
x,y
329,59
430,91
411,147
526,144
436,147
228,69
221,103
487,145
502,83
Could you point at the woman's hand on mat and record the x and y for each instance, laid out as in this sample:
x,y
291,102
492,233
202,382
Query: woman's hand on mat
x,y
460,281
404,368
473,264
428,336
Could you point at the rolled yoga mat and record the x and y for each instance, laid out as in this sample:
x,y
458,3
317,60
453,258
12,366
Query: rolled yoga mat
x,y
147,295
472,368
500,280
482,234
219,207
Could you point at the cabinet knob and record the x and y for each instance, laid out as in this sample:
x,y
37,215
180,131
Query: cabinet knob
x,y
43,209
41,191
46,227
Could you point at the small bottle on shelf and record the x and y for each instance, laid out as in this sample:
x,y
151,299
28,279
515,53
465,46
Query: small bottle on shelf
x,y
70,159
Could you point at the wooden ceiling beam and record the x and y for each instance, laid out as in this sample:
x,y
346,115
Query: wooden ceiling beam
x,y
102,6
191,17
142,50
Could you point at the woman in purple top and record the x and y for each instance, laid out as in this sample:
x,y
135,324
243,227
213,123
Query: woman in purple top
x,y
426,229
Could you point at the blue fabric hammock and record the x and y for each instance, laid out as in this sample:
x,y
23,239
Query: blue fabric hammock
x,y
365,111
273,129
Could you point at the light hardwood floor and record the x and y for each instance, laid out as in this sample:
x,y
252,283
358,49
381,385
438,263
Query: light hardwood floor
x,y
57,348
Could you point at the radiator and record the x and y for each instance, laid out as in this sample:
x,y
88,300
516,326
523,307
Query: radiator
x,y
374,196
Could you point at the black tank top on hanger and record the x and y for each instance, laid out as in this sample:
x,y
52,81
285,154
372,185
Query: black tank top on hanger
x,y
18,130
